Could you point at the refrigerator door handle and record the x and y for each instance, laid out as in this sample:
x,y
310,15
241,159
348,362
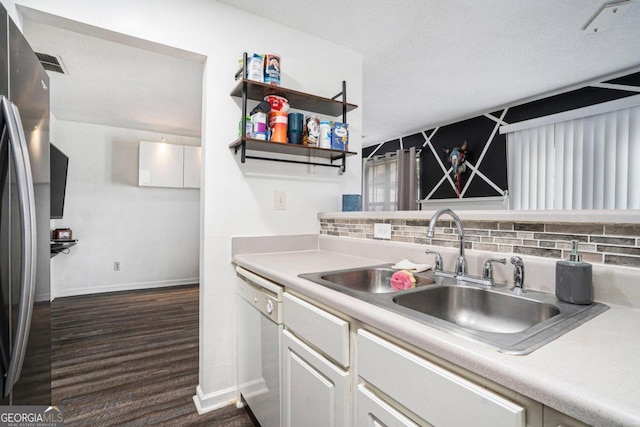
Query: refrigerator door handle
x,y
26,202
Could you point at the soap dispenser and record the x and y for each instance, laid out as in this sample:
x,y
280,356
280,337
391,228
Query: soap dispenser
x,y
574,282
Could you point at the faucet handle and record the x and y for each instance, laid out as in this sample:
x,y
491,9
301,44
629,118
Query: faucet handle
x,y
518,274
487,268
438,266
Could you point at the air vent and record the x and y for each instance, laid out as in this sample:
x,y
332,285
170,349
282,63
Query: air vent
x,y
51,63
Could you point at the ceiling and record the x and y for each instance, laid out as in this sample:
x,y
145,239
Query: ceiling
x,y
115,84
426,63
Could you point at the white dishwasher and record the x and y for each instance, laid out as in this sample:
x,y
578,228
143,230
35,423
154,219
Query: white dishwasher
x,y
259,332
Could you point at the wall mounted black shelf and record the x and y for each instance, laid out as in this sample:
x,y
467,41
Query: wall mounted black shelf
x,y
61,246
336,106
299,100
244,144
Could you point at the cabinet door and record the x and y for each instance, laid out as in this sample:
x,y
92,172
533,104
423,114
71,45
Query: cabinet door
x,y
192,166
315,391
161,165
374,412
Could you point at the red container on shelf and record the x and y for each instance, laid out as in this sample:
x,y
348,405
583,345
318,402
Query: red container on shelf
x,y
278,124
278,103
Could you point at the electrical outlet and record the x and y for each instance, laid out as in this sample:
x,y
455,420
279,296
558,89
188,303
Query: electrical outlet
x,y
280,200
116,266
382,231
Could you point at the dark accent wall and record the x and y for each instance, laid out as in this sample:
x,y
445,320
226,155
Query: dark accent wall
x,y
564,102
629,80
477,131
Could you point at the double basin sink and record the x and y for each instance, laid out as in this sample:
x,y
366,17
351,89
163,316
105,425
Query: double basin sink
x,y
493,316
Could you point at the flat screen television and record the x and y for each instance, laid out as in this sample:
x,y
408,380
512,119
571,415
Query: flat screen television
x,y
59,164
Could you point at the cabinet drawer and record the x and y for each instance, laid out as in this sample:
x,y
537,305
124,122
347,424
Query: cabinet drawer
x,y
375,412
326,332
440,397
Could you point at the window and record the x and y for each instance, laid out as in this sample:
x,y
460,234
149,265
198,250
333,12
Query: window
x,y
381,182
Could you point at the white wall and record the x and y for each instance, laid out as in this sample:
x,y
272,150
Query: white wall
x,y
153,232
237,199
10,6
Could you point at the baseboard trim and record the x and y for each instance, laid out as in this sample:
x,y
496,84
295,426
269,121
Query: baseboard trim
x,y
212,401
123,287
43,297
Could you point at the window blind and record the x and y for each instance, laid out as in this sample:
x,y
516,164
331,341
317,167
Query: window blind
x,y
587,163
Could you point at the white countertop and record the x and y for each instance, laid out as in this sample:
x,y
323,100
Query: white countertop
x,y
590,373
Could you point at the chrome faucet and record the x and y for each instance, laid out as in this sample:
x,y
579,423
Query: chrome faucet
x,y
518,275
461,262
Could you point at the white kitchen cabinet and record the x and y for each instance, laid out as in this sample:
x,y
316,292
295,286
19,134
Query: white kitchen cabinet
x,y
191,175
160,165
168,165
553,418
436,395
337,372
372,411
321,329
315,391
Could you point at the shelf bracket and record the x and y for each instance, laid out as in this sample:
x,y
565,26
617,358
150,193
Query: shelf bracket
x,y
343,94
243,127
300,162
342,167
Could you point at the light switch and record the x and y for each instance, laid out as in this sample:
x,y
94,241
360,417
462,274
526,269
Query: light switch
x,y
280,200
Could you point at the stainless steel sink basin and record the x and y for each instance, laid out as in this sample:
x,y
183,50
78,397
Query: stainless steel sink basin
x,y
479,309
371,279
496,317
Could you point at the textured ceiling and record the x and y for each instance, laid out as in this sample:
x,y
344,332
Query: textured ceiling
x,y
115,84
425,62
434,62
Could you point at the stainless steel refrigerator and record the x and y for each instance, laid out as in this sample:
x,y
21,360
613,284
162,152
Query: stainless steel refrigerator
x,y
25,327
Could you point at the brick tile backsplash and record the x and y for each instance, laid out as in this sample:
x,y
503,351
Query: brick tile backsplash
x,y
622,260
617,244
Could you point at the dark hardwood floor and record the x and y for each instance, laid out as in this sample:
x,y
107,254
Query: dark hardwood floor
x,y
130,359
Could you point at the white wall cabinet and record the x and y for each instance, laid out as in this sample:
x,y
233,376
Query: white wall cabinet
x,y
168,165
160,165
192,166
